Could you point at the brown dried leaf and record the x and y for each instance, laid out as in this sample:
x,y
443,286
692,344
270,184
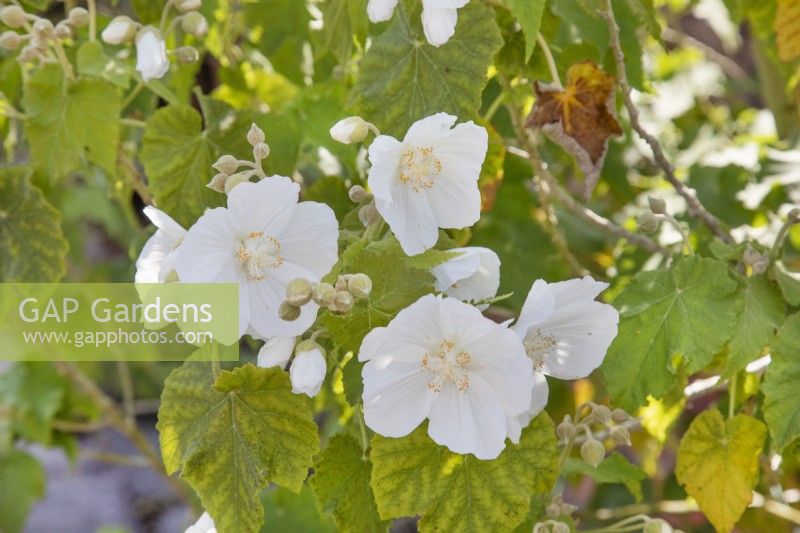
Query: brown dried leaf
x,y
787,29
579,117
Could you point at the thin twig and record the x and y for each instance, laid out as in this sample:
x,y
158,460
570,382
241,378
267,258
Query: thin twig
x,y
728,65
696,208
126,386
549,223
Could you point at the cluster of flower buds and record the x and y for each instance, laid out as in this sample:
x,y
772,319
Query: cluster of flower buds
x,y
338,298
39,33
368,212
558,507
228,167
650,220
592,450
551,526
754,262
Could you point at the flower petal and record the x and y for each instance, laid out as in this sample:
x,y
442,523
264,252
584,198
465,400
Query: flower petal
x,y
264,206
311,239
380,10
538,402
384,156
276,352
207,252
471,276
411,219
266,297
164,222
538,306
396,399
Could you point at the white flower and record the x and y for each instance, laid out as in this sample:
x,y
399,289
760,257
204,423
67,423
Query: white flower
x,y
429,180
441,359
120,30
472,276
151,54
204,524
350,130
308,369
566,333
262,241
157,259
276,352
439,17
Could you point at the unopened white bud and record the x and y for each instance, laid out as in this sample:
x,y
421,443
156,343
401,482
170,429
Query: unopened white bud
x,y
350,130
120,30
28,53
647,222
10,40
187,54
657,525
78,17
342,302
255,135
620,436
657,205
217,183
620,416
341,282
235,180
368,214
359,285
601,413
43,28
794,215
324,294
194,23
308,369
63,30
184,6
565,430
13,16
288,312
261,151
227,164
593,451
359,194
298,291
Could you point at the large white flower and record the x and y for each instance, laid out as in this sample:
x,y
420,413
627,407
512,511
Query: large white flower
x,y
472,276
441,359
429,180
566,333
157,259
204,524
262,241
439,17
151,54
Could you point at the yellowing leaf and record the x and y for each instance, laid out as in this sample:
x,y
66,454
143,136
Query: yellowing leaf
x,y
718,464
787,29
579,117
781,400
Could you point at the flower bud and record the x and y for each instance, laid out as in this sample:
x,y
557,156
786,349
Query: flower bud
x,y
194,23
261,151
288,312
217,183
593,451
341,282
647,222
120,30
28,53
359,194
560,527
43,28
350,130
308,369
255,135
184,6
359,285
657,525
276,352
368,214
13,16
187,55
227,164
298,292
63,30
657,205
601,413
553,510
10,40
323,294
234,180
342,302
40,43
620,416
620,436
78,17
566,429
794,215
152,62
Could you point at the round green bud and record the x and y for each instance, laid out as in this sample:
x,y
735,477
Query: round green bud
x,y
620,416
657,205
657,525
187,55
565,430
63,30
350,130
288,312
647,222
184,6
620,436
261,151
601,413
342,302
298,291
593,451
359,286
43,27
78,17
13,16
227,164
194,23
10,40
368,214
359,194
794,215
323,294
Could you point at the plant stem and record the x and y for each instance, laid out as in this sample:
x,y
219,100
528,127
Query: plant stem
x,y
132,95
494,106
92,20
695,206
794,218
126,386
551,62
359,414
133,123
62,58
678,226
164,14
732,396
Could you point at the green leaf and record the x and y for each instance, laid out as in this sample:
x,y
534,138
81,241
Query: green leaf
x,y
613,469
718,464
34,248
415,476
233,436
92,61
148,11
280,30
781,400
762,314
34,392
529,14
404,79
688,311
289,512
342,19
395,285
341,483
69,122
22,479
788,281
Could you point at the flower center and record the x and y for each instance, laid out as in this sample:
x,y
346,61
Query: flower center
x,y
418,167
447,365
258,254
538,345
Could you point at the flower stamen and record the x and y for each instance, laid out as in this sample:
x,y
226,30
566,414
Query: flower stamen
x,y
418,167
447,365
538,345
258,254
